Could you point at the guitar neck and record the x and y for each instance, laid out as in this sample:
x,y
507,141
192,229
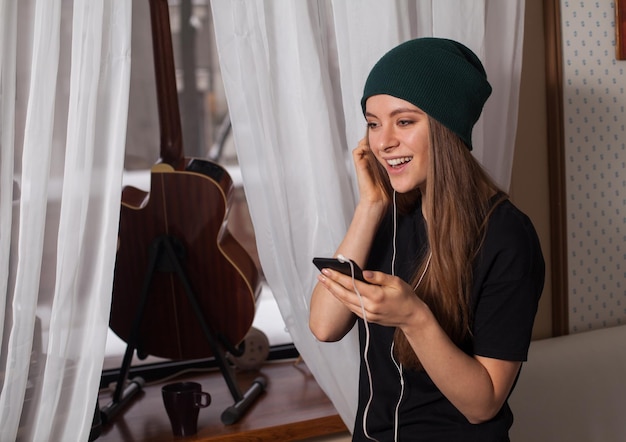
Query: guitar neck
x,y
165,74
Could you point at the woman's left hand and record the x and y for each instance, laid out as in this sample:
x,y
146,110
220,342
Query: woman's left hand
x,y
384,299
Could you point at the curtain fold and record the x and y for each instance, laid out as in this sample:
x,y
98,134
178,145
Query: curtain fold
x,y
63,216
280,42
8,9
293,74
31,223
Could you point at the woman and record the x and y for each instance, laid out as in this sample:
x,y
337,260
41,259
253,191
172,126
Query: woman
x,y
454,270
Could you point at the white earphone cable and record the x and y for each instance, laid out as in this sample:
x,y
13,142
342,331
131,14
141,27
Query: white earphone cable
x,y
365,350
399,365
395,228
397,409
367,334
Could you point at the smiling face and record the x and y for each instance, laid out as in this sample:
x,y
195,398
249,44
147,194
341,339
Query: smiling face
x,y
399,137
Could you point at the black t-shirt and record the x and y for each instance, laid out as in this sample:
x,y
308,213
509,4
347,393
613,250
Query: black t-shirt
x,y
508,280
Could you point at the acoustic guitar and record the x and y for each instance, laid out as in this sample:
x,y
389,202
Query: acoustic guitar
x,y
187,206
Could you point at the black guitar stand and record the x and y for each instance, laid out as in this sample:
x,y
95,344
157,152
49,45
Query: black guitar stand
x,y
165,255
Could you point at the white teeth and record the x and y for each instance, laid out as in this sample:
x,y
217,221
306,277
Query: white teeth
x,y
398,161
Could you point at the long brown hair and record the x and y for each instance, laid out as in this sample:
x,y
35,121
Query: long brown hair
x,y
456,207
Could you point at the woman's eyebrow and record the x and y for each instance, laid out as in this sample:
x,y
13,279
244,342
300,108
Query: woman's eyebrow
x,y
397,111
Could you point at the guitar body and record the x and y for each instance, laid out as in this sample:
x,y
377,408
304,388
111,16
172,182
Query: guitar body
x,y
186,210
190,206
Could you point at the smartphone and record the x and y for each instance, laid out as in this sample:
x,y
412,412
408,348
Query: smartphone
x,y
343,267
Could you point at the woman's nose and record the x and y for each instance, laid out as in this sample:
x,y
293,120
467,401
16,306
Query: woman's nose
x,y
387,139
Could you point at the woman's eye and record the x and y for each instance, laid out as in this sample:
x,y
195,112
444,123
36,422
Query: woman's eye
x,y
371,125
404,122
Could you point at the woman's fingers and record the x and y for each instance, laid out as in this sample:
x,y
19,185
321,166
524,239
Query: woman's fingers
x,y
386,299
343,288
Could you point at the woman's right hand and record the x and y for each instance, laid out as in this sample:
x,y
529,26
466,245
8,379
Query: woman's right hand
x,y
371,192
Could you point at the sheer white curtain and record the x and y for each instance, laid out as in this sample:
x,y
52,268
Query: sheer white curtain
x,y
62,135
293,74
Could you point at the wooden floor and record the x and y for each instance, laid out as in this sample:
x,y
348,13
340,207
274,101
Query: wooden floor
x,y
292,408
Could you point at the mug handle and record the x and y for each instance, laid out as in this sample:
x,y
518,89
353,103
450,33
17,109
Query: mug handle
x,y
202,399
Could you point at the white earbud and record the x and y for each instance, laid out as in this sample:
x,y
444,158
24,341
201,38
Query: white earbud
x,y
342,258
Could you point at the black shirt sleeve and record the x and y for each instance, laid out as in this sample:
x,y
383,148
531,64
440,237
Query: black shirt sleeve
x,y
508,281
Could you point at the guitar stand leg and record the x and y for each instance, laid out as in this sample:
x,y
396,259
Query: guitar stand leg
x,y
242,401
124,392
110,410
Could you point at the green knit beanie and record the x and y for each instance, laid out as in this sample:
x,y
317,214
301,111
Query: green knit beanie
x,y
442,77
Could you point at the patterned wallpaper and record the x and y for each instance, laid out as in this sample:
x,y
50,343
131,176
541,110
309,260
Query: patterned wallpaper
x,y
595,165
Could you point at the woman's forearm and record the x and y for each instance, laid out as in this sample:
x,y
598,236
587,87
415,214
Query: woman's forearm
x,y
476,386
329,319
